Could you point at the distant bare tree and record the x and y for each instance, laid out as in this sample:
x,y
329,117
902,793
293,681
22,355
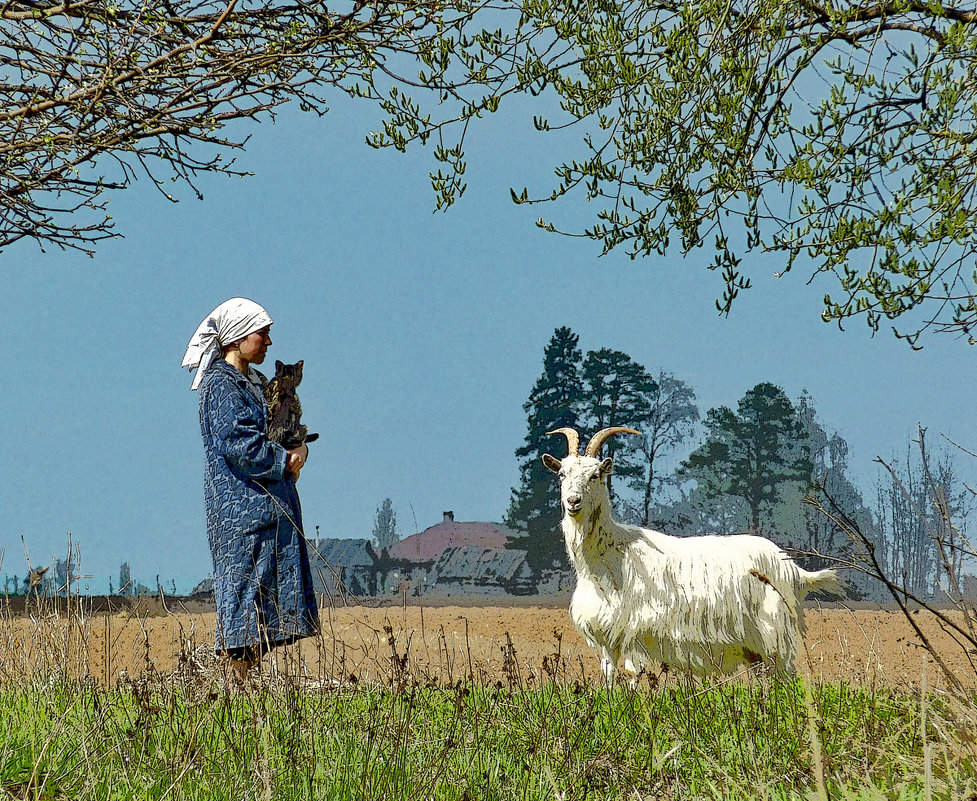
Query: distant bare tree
x,y
931,568
920,505
670,421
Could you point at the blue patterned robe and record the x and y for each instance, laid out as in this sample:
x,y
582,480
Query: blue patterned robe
x,y
262,580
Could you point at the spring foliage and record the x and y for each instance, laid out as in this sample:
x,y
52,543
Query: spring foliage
x,y
839,136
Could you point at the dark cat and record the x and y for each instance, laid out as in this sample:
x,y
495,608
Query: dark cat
x,y
284,410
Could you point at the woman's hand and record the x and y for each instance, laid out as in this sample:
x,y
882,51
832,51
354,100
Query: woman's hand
x,y
296,460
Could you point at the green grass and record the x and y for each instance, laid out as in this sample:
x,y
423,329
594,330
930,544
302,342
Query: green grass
x,y
155,739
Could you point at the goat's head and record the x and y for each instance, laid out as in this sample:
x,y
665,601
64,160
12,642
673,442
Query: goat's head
x,y
582,477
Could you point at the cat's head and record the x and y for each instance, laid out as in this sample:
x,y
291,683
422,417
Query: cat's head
x,y
289,375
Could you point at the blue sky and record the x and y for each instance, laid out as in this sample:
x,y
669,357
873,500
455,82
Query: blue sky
x,y
422,335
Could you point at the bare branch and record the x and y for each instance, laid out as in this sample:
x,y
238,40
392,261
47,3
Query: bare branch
x,y
152,86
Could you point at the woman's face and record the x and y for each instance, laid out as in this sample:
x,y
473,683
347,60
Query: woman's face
x,y
254,346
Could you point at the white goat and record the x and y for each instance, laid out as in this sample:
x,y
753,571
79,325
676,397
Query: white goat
x,y
701,604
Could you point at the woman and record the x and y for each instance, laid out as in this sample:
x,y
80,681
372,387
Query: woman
x,y
262,580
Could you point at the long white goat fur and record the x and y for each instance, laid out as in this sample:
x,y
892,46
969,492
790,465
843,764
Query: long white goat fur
x,y
700,604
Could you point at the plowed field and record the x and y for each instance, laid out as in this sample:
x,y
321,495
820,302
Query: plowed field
x,y
446,643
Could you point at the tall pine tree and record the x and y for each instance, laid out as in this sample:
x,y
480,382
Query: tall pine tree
x,y
753,453
617,392
534,508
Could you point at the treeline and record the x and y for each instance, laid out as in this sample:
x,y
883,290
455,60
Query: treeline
x,y
66,579
730,470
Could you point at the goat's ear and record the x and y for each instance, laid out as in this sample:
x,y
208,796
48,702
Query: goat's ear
x,y
607,466
552,463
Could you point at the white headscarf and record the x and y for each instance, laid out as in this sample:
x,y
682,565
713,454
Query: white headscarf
x,y
234,319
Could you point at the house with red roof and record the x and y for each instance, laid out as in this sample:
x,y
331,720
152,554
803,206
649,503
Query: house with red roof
x,y
430,544
418,560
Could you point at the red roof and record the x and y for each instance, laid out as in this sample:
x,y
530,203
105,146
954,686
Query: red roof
x,y
429,544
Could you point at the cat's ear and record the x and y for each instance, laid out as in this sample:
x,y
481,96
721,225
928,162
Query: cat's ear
x,y
300,363
278,366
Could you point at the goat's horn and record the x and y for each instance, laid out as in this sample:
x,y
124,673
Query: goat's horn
x,y
573,439
598,440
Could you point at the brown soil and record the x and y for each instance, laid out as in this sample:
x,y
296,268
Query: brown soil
x,y
447,643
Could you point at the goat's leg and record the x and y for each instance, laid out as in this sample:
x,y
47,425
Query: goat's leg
x,y
608,664
634,668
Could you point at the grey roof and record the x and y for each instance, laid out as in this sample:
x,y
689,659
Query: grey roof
x,y
481,565
343,552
